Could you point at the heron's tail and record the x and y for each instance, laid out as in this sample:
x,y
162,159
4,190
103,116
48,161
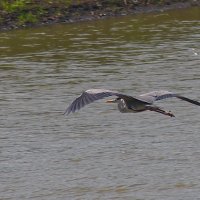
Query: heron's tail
x,y
189,100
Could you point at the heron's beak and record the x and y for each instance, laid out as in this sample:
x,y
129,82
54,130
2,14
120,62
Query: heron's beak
x,y
111,101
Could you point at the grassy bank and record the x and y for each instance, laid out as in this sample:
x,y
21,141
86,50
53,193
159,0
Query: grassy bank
x,y
24,13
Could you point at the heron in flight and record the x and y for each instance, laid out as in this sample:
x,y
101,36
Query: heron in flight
x,y
126,103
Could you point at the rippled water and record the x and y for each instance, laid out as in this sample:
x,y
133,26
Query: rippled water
x,y
99,153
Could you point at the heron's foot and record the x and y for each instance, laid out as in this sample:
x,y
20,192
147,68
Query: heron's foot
x,y
159,110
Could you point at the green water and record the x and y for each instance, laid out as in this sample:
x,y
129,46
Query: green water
x,y
99,153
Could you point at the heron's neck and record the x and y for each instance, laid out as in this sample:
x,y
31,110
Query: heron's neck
x,y
122,106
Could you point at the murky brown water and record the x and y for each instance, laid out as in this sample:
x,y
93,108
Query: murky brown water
x,y
99,153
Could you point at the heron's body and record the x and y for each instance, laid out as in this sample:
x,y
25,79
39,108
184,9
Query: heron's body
x,y
127,104
134,108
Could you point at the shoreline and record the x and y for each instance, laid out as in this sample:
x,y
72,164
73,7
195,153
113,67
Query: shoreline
x,y
76,14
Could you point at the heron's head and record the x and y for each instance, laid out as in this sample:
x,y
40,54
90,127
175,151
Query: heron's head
x,y
113,100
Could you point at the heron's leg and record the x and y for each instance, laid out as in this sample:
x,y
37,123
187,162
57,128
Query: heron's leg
x,y
159,110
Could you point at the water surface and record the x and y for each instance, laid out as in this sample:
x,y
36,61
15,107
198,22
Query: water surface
x,y
99,153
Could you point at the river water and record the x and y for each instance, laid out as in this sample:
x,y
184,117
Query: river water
x,y
99,153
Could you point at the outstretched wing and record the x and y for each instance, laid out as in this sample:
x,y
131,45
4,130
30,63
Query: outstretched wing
x,y
156,95
162,94
189,100
92,95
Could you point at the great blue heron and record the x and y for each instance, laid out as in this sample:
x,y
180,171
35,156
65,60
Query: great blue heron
x,y
127,103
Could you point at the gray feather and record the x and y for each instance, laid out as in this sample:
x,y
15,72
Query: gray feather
x,y
92,95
